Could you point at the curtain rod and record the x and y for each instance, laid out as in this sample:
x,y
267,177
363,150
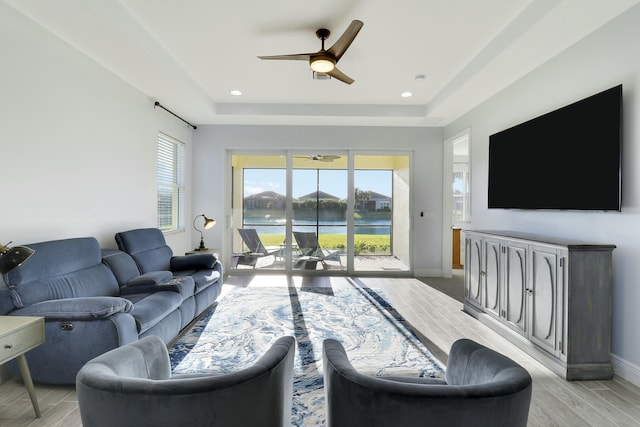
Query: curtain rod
x,y
157,104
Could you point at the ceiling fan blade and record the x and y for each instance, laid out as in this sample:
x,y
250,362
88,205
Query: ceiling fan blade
x,y
339,47
337,74
295,56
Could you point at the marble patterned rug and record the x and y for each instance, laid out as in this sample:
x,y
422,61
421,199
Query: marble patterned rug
x,y
244,324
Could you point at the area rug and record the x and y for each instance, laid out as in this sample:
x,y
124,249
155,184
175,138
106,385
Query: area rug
x,y
244,324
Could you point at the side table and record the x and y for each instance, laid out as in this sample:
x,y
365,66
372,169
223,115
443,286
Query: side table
x,y
19,334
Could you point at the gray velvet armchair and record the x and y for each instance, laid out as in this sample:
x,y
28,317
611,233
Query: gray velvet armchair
x,y
481,388
133,386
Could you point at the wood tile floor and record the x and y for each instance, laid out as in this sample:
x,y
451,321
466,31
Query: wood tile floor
x,y
440,319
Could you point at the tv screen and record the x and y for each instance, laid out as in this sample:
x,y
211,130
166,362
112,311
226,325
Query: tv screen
x,y
567,159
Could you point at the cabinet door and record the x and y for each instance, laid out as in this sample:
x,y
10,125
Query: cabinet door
x,y
561,304
491,264
542,290
515,276
473,270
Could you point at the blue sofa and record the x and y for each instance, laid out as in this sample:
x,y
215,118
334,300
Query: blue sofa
x,y
94,300
150,252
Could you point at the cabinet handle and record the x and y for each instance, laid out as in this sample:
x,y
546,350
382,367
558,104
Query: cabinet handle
x,y
8,346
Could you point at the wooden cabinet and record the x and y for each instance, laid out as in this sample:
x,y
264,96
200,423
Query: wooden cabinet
x,y
551,297
455,253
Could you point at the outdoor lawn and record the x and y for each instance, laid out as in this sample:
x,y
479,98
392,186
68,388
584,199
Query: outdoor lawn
x,y
364,243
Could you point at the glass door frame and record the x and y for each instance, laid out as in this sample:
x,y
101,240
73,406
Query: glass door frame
x,y
350,250
291,154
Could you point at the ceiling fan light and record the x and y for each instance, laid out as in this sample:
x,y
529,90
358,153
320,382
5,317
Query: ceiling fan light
x,y
322,65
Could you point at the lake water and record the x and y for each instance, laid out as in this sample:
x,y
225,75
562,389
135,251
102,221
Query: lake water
x,y
268,226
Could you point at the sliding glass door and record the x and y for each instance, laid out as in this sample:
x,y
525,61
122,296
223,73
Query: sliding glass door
x,y
319,220
337,212
382,220
259,212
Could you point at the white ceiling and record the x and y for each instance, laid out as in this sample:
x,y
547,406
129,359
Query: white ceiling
x,y
189,54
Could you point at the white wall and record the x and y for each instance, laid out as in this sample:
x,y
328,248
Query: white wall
x,y
78,145
603,60
211,189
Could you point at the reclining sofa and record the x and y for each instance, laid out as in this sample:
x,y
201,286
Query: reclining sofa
x,y
94,300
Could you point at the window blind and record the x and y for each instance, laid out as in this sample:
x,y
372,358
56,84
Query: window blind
x,y
170,183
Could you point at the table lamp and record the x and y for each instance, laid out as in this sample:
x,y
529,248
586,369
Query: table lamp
x,y
11,257
208,223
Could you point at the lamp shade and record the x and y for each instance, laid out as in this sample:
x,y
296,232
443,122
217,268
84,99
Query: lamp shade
x,y
10,258
209,223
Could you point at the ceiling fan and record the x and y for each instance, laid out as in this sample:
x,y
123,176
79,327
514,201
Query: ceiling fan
x,y
319,157
324,61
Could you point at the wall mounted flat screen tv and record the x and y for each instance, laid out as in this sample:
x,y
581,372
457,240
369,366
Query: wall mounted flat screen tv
x,y
568,159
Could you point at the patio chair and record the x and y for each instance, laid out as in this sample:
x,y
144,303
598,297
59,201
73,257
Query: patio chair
x,y
256,249
311,251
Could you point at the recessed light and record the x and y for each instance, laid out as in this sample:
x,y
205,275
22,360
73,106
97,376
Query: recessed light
x,y
236,92
406,94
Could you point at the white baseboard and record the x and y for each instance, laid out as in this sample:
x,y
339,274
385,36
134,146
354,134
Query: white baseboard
x,y
626,370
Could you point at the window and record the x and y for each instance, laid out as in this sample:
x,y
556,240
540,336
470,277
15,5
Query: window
x,y
170,183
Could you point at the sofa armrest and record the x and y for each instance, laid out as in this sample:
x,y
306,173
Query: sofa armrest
x,y
151,278
193,262
184,285
84,308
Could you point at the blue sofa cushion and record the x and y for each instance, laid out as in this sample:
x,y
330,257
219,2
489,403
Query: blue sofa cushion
x,y
121,264
149,310
193,262
202,278
91,282
6,304
147,247
59,269
151,278
57,258
77,308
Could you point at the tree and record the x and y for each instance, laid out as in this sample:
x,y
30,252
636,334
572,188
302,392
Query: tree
x,y
362,197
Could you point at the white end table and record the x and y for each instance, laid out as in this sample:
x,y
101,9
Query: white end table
x,y
19,334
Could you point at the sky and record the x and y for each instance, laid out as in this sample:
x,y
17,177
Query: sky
x,y
332,181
